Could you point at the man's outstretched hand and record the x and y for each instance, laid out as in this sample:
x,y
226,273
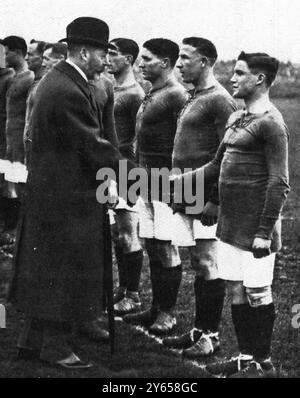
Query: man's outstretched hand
x,y
113,194
209,215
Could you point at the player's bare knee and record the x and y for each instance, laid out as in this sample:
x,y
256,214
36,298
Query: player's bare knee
x,y
202,263
236,292
259,296
194,263
125,240
168,256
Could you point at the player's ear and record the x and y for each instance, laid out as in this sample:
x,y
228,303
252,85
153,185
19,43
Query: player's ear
x,y
165,63
204,61
129,59
261,78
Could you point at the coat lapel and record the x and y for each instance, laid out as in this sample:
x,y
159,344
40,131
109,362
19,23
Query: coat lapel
x,y
84,86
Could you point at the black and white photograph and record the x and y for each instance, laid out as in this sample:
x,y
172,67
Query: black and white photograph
x,y
149,191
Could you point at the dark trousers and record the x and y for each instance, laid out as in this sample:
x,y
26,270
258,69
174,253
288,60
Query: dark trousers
x,y
50,339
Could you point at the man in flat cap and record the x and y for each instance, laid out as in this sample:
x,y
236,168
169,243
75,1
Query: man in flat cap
x,y
252,162
61,252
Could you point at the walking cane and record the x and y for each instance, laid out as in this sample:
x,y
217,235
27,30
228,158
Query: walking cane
x,y
108,280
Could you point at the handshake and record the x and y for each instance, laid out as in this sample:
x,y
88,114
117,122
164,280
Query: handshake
x,y
183,192
208,215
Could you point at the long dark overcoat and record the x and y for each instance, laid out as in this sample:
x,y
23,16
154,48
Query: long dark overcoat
x,y
60,254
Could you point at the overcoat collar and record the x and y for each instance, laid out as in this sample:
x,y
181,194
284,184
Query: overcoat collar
x,y
66,68
72,73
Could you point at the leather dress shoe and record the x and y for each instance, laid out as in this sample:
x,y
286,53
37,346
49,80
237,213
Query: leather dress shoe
x,y
73,362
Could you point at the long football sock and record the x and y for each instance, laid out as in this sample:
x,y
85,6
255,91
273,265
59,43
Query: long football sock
x,y
264,317
243,325
134,263
170,283
199,314
213,293
122,267
155,275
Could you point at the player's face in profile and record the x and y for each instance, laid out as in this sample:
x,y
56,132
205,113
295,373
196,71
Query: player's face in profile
x,y
116,61
190,63
49,60
33,58
243,81
150,65
95,62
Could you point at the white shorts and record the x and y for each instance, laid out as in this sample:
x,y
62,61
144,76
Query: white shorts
x,y
235,264
188,229
13,171
122,205
156,220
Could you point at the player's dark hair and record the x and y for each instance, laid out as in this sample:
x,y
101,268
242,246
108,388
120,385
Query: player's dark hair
x,y
204,47
127,47
163,48
57,49
261,62
40,48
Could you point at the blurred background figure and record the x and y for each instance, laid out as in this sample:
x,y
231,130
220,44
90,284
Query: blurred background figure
x,y
6,75
41,58
34,57
16,95
35,64
53,53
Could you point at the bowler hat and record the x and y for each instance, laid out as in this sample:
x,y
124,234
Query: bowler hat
x,y
88,30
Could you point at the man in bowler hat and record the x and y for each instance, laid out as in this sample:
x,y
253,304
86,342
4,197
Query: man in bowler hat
x,y
61,245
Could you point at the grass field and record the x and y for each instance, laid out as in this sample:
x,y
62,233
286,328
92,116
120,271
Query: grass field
x,y
138,355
